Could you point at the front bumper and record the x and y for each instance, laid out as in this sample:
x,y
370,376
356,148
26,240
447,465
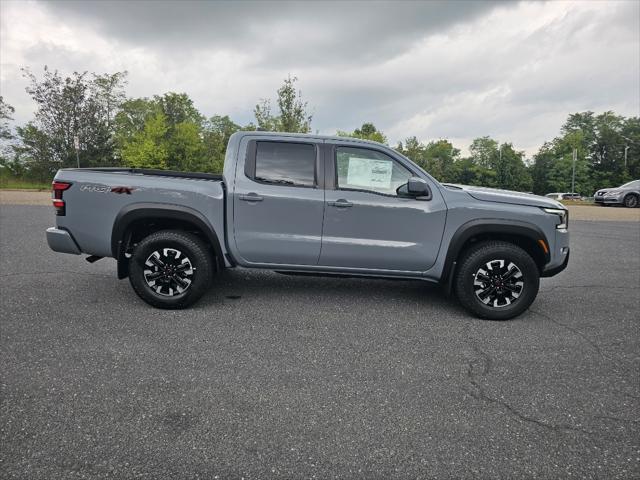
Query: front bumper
x,y
611,200
62,241
559,254
551,271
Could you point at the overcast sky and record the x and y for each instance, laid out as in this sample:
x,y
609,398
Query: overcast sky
x,y
455,70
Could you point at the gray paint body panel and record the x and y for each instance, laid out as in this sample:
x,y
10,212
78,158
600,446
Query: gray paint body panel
x,y
382,232
91,207
285,227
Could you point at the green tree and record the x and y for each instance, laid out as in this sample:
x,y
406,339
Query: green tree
x,y
182,146
293,115
178,108
216,134
467,172
132,116
600,141
630,134
77,107
148,147
35,155
412,149
542,163
185,148
368,131
507,167
436,157
6,112
484,152
440,156
108,93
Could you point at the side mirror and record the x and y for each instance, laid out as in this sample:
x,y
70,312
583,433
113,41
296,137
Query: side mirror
x,y
417,187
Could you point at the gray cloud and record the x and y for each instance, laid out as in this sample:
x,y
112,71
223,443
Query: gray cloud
x,y
280,32
432,69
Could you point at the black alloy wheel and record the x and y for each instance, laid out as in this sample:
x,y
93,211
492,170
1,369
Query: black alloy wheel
x,y
631,201
171,269
496,280
498,284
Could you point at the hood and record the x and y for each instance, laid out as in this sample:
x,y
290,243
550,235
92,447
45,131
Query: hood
x,y
507,196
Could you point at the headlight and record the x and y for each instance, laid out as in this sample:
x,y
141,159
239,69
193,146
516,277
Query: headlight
x,y
563,214
613,192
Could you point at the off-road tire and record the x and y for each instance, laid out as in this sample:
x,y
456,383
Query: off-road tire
x,y
474,259
191,247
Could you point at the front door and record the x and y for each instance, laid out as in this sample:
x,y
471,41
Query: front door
x,y
278,203
368,225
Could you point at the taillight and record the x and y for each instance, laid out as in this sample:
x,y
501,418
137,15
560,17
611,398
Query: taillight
x,y
57,189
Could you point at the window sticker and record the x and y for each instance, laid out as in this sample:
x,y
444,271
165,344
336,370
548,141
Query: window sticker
x,y
371,173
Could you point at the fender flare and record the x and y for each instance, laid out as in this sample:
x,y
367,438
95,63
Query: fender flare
x,y
488,226
139,211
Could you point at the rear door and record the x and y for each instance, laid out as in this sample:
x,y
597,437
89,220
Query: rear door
x,y
367,224
278,202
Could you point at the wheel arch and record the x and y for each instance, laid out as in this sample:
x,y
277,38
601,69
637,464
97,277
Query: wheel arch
x,y
135,221
523,234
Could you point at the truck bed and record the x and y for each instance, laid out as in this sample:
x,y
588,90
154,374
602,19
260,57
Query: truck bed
x,y
99,197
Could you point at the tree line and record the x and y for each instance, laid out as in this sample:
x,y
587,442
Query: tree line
x,y
88,119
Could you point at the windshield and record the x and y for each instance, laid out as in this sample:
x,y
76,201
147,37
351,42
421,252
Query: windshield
x,y
633,184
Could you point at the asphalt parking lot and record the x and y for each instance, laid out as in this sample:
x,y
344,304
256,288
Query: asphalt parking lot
x,y
303,377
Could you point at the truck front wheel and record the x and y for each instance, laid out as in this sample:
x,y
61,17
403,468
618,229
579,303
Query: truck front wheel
x,y
171,269
496,280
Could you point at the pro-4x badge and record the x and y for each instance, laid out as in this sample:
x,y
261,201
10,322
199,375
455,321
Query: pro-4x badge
x,y
126,190
106,189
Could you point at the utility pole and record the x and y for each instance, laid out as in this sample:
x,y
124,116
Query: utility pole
x,y
573,174
626,149
501,170
76,144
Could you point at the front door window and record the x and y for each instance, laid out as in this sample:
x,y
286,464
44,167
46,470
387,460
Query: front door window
x,y
368,170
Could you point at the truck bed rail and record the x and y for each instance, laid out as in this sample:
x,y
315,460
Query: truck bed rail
x,y
150,171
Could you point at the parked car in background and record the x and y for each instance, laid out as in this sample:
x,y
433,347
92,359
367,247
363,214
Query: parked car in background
x,y
564,196
627,195
555,195
571,196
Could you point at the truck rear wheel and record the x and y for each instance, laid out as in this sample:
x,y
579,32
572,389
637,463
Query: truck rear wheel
x,y
497,280
171,269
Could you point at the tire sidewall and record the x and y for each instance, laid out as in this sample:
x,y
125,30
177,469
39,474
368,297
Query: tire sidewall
x,y
631,196
477,258
191,247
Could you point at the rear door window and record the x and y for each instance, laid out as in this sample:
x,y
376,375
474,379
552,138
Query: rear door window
x,y
284,163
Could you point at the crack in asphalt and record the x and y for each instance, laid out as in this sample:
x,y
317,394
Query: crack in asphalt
x,y
621,369
616,419
588,340
479,393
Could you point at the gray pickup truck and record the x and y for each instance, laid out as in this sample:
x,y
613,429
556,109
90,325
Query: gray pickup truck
x,y
298,203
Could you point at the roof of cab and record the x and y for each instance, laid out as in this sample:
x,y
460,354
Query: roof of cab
x,y
310,136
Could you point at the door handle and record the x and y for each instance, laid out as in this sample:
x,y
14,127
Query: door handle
x,y
251,197
342,203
